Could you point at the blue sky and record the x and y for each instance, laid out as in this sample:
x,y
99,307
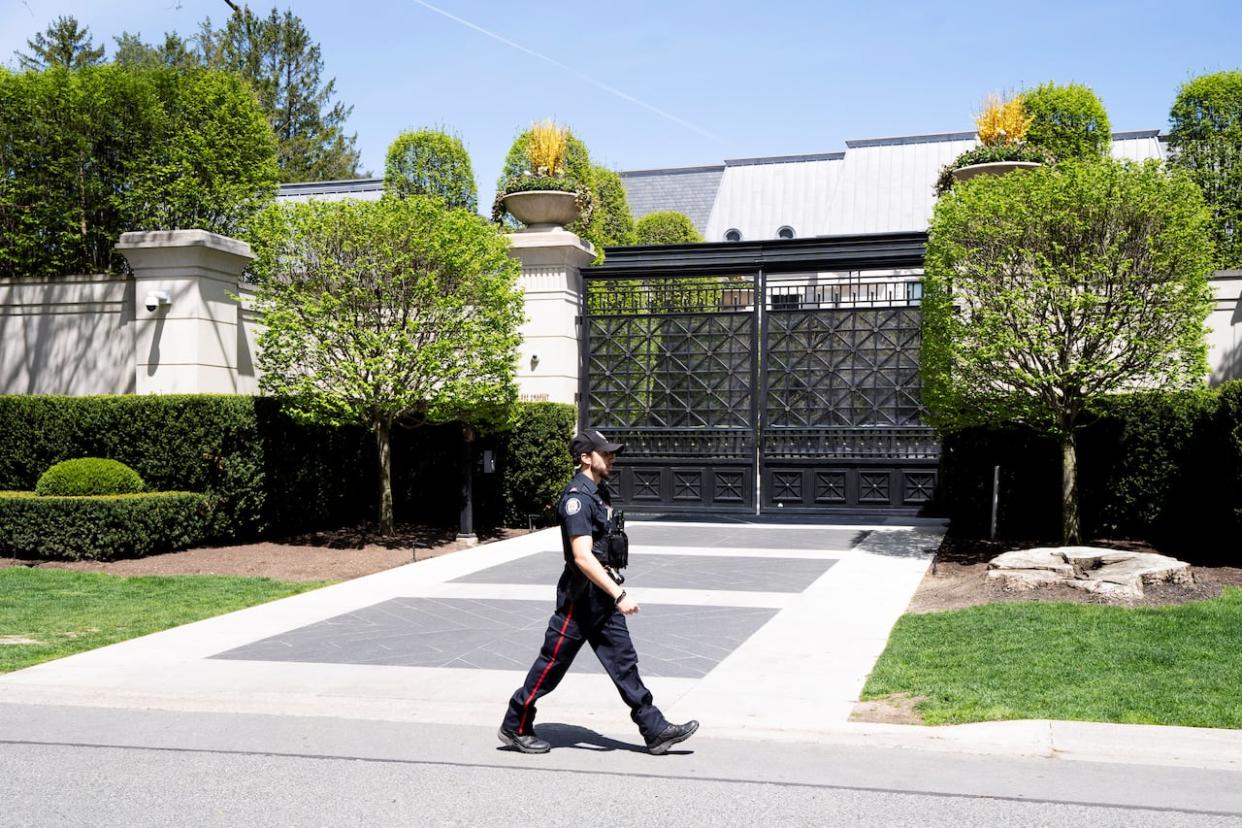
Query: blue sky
x,y
663,84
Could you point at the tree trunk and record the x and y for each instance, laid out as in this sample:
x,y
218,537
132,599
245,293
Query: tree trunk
x,y
1070,530
383,443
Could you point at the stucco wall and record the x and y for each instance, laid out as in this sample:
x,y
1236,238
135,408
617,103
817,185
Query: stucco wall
x,y
72,335
1225,339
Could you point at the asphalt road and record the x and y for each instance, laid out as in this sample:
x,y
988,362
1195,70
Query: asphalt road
x,y
105,767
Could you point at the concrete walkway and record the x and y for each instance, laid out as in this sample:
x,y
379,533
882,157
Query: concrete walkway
x,y
760,631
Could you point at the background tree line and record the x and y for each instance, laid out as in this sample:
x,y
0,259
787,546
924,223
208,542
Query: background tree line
x,y
275,55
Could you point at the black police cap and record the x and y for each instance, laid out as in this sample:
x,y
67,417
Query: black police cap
x,y
591,440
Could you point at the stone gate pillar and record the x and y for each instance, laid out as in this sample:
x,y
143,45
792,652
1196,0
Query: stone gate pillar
x,y
189,334
552,262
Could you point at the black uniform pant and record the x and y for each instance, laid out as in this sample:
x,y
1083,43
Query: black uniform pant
x,y
588,619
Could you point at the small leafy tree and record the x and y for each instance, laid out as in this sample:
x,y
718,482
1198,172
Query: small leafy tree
x,y
276,55
1049,289
666,227
1067,121
431,162
65,43
1205,137
387,311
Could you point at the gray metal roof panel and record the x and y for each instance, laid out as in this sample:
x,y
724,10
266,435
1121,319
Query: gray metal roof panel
x,y
687,191
759,199
359,189
784,159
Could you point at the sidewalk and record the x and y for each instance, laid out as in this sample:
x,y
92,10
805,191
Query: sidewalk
x,y
762,632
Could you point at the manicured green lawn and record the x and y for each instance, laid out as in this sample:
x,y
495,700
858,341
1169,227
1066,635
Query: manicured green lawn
x,y
68,612
1176,665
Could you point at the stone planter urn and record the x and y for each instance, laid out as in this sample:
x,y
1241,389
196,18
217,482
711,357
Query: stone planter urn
x,y
992,168
542,209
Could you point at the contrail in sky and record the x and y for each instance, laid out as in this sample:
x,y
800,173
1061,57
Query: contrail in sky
x,y
570,69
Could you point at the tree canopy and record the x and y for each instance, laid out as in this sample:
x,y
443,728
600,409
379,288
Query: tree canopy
x,y
1205,136
1048,289
1067,120
65,43
387,311
175,52
87,154
612,223
431,162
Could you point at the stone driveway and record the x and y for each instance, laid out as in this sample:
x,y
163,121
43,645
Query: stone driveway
x,y
754,628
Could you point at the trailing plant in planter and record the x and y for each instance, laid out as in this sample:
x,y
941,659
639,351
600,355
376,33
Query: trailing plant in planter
x,y
990,155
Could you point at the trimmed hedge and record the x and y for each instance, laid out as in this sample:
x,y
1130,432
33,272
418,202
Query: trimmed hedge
x,y
87,476
100,528
1165,467
263,474
536,463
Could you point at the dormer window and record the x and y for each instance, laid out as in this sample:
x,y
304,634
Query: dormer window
x,y
786,232
733,234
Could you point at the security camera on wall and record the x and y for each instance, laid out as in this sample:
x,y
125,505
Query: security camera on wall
x,y
155,299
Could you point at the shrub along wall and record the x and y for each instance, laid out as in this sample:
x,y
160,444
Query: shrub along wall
x,y
262,474
1161,466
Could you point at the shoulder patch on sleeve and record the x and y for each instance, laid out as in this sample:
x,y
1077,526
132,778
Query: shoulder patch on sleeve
x,y
573,506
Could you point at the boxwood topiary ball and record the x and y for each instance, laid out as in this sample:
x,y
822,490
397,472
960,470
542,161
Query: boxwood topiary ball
x,y
88,476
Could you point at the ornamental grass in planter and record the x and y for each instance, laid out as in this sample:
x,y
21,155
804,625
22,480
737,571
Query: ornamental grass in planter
x,y
545,195
1002,127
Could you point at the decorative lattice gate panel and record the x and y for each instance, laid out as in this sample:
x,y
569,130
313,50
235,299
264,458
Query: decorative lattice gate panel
x,y
748,390
841,424
671,372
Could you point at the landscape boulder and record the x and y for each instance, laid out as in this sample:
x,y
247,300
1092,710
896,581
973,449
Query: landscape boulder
x,y
1114,572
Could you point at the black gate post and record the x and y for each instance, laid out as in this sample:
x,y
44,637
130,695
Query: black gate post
x,y
759,381
465,531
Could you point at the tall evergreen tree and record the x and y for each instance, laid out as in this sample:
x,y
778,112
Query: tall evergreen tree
x,y
65,43
277,56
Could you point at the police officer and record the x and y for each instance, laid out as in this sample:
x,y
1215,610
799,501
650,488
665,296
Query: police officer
x,y
590,609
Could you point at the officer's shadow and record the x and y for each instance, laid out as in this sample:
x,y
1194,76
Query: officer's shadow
x,y
573,736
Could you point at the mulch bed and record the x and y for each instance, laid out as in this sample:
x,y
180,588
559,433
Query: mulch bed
x,y
958,579
335,555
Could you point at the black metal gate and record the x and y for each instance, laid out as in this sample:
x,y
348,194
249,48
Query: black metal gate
x,y
761,379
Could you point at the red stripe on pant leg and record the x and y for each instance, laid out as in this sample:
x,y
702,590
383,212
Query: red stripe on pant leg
x,y
551,661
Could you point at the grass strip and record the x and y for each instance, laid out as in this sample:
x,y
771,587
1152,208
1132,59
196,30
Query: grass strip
x,y
1172,665
51,613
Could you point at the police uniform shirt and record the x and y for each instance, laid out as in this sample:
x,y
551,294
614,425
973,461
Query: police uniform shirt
x,y
583,512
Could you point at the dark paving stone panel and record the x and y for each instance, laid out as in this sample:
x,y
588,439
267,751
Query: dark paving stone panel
x,y
745,574
733,537
497,634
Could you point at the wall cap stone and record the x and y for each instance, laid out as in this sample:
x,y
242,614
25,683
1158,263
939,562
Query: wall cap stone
x,y
171,239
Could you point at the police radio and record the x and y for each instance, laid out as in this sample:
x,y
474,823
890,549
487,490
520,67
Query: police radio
x,y
613,549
